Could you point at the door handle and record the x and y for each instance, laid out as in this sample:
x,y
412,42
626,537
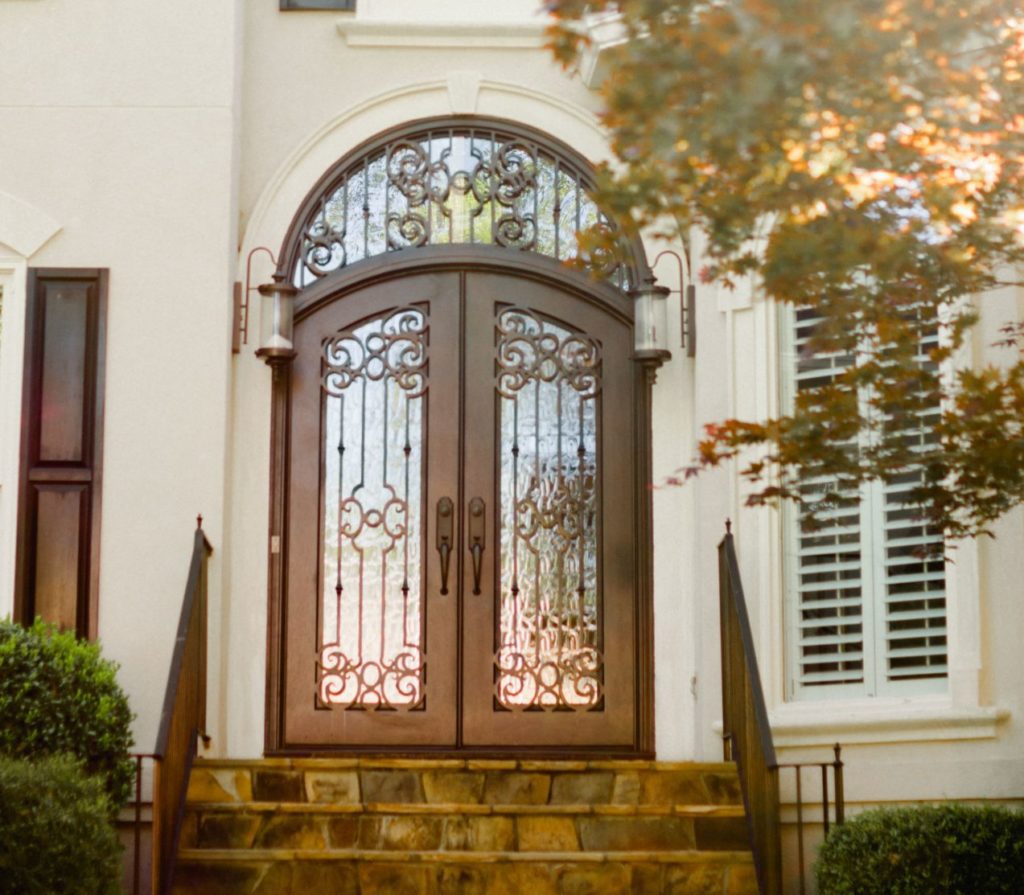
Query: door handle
x,y
477,527
445,523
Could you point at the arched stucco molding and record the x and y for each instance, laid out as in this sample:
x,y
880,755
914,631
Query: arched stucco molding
x,y
286,189
24,229
458,92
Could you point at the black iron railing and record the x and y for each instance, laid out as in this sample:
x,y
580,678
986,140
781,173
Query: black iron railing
x,y
837,808
182,723
138,823
748,736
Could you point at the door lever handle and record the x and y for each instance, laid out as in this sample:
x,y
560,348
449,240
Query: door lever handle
x,y
445,521
477,528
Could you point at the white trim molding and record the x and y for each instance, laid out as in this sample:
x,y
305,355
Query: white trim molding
x,y
13,274
604,30
855,721
25,228
285,190
477,35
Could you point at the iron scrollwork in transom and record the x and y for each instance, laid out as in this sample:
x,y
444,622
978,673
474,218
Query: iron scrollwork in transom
x,y
455,185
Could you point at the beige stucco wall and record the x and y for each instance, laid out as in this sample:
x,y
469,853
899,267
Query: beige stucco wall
x,y
166,141
118,122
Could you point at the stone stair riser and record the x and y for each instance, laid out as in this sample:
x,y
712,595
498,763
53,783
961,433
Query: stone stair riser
x,y
382,877
456,831
392,826
489,786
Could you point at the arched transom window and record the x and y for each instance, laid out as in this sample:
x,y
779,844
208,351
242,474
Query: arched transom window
x,y
447,183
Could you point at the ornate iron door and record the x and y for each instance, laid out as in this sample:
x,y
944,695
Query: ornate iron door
x,y
461,517
549,621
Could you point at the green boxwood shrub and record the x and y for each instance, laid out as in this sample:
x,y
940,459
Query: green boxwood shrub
x,y
59,696
943,850
55,832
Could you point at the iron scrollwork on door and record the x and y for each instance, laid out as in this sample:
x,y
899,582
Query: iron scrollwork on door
x,y
374,379
454,185
549,388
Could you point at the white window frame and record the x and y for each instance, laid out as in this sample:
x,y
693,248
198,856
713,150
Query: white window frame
x,y
873,577
955,714
13,281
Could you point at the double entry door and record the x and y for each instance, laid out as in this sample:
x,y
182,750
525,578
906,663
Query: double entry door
x,y
460,568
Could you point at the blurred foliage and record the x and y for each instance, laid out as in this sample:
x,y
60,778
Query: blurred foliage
x,y
924,850
860,157
58,695
56,837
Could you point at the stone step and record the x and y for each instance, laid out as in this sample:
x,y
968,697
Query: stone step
x,y
361,872
464,781
461,808
472,827
400,826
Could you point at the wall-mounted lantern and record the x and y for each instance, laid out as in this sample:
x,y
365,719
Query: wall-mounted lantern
x,y
277,313
650,321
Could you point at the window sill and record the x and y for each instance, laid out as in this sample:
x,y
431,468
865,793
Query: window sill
x,y
392,33
882,721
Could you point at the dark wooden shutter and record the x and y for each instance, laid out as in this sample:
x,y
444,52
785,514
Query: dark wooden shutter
x,y
61,449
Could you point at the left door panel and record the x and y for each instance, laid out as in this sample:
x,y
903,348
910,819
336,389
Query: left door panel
x,y
374,457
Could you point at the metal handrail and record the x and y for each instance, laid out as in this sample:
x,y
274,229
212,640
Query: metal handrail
x,y
839,806
748,736
183,719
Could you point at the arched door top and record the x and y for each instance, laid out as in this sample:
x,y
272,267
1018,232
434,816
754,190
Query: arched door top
x,y
458,181
526,266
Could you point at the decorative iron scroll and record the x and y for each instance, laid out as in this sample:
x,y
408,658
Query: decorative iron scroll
x,y
454,185
549,385
373,384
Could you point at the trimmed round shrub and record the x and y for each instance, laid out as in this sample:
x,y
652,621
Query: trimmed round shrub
x,y
59,696
942,850
55,832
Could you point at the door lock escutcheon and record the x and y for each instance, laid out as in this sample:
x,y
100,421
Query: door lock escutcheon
x,y
477,528
445,526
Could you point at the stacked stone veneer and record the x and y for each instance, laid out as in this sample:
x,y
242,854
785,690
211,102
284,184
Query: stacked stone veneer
x,y
463,827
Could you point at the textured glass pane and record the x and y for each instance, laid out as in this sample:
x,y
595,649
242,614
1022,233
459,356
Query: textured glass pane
x,y
550,618
452,186
374,381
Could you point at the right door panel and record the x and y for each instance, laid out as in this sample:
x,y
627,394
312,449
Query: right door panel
x,y
548,608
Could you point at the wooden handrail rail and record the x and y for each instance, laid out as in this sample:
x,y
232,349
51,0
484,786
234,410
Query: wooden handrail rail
x,y
183,718
748,737
201,550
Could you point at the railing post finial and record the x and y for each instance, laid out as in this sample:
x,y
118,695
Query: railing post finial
x,y
728,526
199,521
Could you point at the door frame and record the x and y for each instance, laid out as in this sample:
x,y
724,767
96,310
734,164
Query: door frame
x,y
394,265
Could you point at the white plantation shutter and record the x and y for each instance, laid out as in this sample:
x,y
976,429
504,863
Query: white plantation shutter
x,y
867,611
915,594
915,575
830,622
